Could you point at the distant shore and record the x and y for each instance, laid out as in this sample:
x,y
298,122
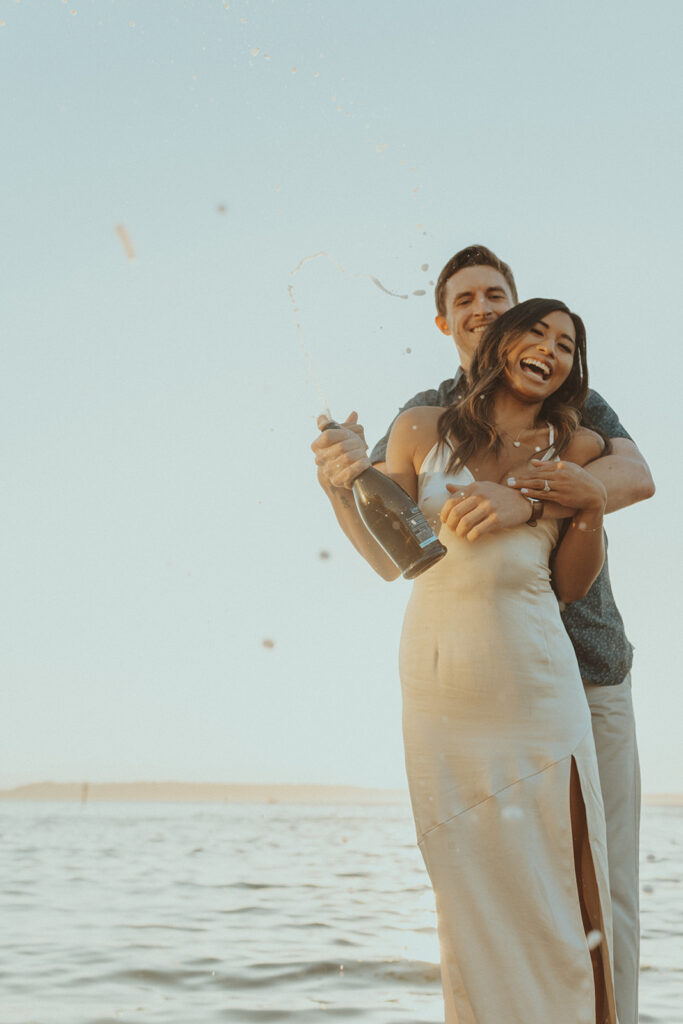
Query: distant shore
x,y
204,792
231,793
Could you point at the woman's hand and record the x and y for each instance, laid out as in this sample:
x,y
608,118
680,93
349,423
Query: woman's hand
x,y
340,452
567,484
483,507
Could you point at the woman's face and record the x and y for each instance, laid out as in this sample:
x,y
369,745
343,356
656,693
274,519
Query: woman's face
x,y
540,360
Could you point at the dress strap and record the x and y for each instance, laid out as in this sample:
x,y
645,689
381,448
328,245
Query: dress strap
x,y
550,453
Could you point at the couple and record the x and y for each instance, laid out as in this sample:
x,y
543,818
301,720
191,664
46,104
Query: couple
x,y
500,753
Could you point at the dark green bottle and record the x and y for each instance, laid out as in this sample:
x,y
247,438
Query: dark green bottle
x,y
395,521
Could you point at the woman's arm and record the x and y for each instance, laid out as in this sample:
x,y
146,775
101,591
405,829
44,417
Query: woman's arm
x,y
340,457
581,552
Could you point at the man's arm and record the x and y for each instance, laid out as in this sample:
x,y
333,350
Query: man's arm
x,y
624,472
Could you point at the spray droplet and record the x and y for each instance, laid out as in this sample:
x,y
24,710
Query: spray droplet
x,y
512,813
125,241
420,291
594,938
408,351
268,643
323,555
255,50
425,266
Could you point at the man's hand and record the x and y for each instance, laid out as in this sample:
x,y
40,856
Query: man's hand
x,y
340,452
567,484
483,507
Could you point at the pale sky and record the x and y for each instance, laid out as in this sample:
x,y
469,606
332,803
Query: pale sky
x,y
160,512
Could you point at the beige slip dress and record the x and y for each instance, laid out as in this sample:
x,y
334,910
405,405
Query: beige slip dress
x,y
494,714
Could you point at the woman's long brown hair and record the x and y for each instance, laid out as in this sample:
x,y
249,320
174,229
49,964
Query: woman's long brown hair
x,y
467,425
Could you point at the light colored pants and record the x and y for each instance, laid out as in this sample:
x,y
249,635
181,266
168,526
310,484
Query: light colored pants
x,y
615,743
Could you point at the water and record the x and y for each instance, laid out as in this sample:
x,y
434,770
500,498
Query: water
x,y
199,914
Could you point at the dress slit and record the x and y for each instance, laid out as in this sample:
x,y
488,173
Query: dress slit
x,y
589,901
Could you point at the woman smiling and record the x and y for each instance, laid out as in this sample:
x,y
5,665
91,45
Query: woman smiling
x,y
499,749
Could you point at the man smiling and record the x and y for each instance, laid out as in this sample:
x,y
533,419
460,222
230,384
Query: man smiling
x,y
474,288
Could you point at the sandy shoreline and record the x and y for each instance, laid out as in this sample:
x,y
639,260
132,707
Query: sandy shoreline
x,y
220,792
204,792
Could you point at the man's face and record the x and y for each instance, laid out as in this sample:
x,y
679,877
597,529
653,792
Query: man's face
x,y
474,298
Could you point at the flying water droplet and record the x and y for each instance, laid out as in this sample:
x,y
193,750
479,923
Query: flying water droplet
x,y
512,813
594,938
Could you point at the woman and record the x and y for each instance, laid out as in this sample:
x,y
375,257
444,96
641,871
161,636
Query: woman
x,y
499,749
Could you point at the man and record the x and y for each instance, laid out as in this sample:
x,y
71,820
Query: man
x,y
473,289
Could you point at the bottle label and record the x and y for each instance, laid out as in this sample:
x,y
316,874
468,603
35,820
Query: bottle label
x,y
420,528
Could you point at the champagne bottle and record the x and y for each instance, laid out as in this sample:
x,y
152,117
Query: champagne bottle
x,y
395,521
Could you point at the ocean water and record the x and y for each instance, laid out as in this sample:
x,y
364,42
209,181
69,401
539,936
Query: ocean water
x,y
200,914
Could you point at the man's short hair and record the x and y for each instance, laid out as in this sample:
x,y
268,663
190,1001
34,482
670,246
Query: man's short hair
x,y
472,256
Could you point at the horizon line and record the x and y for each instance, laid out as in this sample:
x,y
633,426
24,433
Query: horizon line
x,y
177,791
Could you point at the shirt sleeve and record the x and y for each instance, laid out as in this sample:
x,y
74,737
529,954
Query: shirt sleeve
x,y
596,412
431,397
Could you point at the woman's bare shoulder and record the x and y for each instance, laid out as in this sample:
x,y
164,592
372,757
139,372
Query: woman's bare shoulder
x,y
420,415
584,446
422,420
415,431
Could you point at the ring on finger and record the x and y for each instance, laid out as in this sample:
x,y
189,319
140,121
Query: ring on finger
x,y
546,485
